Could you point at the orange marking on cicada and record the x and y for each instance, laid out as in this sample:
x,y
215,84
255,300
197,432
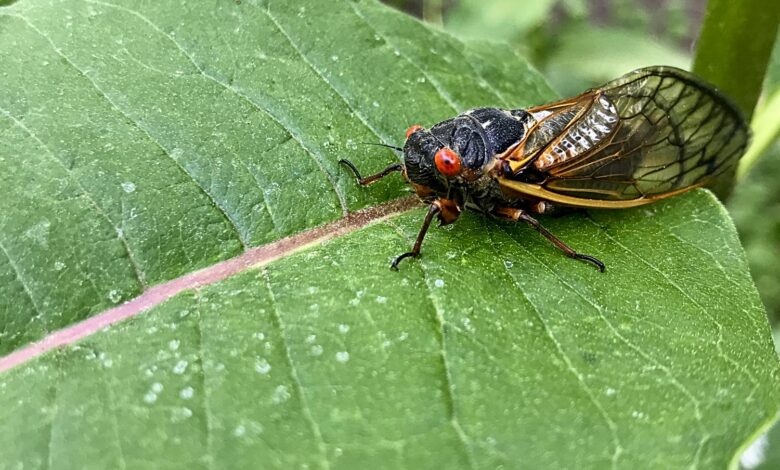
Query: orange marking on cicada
x,y
447,162
412,130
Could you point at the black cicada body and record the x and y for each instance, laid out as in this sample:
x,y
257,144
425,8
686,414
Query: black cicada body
x,y
651,134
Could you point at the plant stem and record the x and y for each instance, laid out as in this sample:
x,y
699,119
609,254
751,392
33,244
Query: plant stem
x,y
735,45
766,128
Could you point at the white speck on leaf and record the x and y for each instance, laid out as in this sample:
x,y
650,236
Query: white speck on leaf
x,y
186,393
114,296
281,394
342,356
239,430
343,328
157,387
610,392
262,366
173,344
59,265
181,413
180,367
438,283
39,233
150,397
128,187
316,350
381,300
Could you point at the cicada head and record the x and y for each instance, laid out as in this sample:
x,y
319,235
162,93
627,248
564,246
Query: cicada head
x,y
460,150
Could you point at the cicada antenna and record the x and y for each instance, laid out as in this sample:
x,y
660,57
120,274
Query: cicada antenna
x,y
397,149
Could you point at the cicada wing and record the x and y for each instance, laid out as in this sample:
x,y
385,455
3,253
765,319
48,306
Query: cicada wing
x,y
652,133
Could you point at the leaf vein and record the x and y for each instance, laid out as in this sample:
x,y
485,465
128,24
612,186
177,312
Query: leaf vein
x,y
439,322
435,83
138,126
119,233
670,281
114,420
206,396
315,155
21,280
305,408
321,76
618,449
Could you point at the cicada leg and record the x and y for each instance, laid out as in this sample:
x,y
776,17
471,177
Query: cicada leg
x,y
372,178
448,212
433,210
521,215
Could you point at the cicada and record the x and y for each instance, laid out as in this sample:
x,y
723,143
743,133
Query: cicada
x,y
648,135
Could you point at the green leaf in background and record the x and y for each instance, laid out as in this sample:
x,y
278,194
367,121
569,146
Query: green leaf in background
x,y
755,206
755,203
490,351
142,141
735,45
501,20
586,56
573,53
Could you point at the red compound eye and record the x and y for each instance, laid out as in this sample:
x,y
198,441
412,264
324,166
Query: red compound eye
x,y
447,162
412,130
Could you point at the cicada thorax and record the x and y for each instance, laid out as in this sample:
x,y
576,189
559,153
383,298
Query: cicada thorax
x,y
476,141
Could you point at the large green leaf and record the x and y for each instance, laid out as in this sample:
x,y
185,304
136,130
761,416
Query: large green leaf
x,y
145,140
136,150
491,351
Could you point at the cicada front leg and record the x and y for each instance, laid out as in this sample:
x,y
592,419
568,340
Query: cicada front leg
x,y
448,212
371,178
522,216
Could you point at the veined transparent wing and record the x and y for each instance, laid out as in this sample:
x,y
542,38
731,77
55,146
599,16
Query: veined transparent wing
x,y
650,134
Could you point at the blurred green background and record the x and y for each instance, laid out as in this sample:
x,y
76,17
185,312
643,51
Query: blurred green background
x,y
578,44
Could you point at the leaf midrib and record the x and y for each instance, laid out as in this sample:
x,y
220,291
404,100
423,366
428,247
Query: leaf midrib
x,y
249,259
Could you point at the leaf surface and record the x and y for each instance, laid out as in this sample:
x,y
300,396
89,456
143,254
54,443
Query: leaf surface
x,y
138,150
141,141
